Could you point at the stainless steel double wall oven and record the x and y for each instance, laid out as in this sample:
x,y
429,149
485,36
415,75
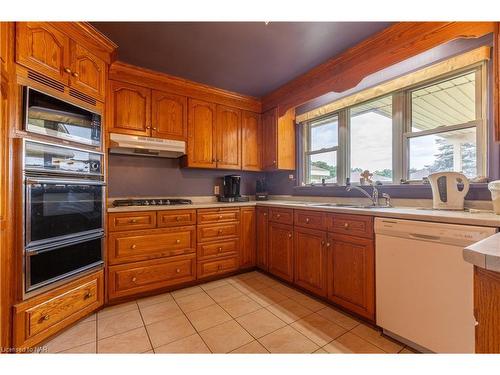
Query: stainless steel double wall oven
x,y
64,195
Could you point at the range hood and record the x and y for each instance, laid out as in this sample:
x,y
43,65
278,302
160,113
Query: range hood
x,y
146,146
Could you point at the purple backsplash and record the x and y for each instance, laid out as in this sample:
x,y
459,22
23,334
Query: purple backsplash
x,y
146,176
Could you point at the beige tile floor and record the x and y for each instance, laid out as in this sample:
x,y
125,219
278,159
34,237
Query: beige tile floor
x,y
247,313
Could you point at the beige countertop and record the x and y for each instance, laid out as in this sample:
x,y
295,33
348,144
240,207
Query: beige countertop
x,y
485,253
412,213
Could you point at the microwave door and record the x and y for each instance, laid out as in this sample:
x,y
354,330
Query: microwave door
x,y
61,209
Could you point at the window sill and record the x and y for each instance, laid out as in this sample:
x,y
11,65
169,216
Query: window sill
x,y
477,191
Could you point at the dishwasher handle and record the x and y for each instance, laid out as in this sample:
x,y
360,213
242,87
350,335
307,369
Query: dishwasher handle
x,y
426,237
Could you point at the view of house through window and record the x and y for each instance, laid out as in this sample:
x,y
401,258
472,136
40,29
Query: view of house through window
x,y
442,130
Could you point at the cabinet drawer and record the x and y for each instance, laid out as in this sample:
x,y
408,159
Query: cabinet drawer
x,y
310,219
48,313
218,215
148,244
131,221
208,268
129,279
354,225
281,215
176,218
216,232
218,249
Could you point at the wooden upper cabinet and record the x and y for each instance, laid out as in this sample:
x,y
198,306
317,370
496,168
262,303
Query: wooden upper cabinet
x,y
310,260
269,139
201,147
169,115
44,49
251,140
280,250
129,109
351,273
88,72
228,137
247,237
278,148
262,236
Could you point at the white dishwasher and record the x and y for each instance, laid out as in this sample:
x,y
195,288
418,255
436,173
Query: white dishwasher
x,y
424,288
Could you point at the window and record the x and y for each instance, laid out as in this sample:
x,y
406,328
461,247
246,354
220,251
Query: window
x,y
444,119
320,160
370,137
433,127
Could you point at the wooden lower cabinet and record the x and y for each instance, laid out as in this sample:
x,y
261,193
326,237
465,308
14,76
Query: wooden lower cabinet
x,y
262,214
134,278
310,260
487,310
351,273
247,237
280,250
42,316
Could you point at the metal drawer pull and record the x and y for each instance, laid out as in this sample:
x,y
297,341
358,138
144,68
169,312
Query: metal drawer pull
x,y
221,231
134,279
220,216
289,235
328,244
133,221
278,216
178,218
307,220
346,225
424,237
178,270
88,295
322,243
220,249
133,246
67,70
265,213
45,317
177,241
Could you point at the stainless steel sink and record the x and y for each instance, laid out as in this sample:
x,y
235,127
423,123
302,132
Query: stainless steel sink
x,y
334,205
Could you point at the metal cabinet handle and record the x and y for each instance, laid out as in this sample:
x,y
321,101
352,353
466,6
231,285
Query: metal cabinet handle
x,y
88,295
178,270
219,249
322,243
220,216
278,216
133,221
307,220
45,317
265,213
289,235
67,70
346,225
75,74
328,244
177,241
134,279
134,246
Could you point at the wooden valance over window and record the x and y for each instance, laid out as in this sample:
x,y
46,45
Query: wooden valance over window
x,y
455,63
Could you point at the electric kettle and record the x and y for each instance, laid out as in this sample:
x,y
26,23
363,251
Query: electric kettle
x,y
448,190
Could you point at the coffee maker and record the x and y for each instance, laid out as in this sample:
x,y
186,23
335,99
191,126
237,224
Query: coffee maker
x,y
231,189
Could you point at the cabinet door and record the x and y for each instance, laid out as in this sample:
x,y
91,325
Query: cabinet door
x,y
269,139
88,72
201,134
228,130
251,136
129,109
247,237
351,274
262,230
310,260
280,250
487,310
43,48
169,115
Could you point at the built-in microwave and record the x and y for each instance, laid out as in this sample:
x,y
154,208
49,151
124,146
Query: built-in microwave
x,y
48,115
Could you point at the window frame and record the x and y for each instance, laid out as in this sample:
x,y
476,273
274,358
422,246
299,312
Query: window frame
x,y
402,134
307,146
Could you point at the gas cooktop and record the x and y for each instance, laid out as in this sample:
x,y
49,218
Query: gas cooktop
x,y
150,202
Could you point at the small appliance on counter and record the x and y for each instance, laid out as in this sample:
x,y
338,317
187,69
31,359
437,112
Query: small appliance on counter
x,y
448,190
261,190
231,189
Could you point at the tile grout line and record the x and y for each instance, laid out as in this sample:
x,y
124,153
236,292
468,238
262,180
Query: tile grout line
x,y
145,328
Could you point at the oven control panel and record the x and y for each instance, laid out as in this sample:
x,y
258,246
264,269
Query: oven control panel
x,y
44,157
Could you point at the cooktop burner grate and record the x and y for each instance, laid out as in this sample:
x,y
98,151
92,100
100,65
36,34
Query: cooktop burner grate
x,y
150,202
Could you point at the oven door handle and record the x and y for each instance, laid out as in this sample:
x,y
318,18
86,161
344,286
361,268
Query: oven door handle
x,y
34,181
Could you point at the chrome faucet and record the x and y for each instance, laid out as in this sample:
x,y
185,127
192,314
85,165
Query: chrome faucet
x,y
374,197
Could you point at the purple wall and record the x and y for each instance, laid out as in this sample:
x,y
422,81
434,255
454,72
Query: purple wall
x,y
146,176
